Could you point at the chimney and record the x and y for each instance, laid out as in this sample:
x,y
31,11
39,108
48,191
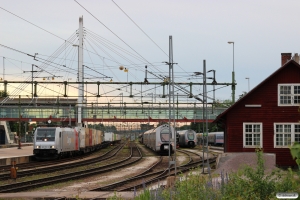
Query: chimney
x,y
285,57
296,58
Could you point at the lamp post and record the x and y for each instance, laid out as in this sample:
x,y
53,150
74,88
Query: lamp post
x,y
233,78
248,83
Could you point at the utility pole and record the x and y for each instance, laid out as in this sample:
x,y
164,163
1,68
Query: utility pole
x,y
3,68
203,112
80,72
171,106
19,133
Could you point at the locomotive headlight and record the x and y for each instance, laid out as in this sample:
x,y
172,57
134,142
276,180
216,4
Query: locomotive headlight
x,y
37,147
52,147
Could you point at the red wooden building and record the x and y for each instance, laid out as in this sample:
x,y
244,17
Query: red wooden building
x,y
267,117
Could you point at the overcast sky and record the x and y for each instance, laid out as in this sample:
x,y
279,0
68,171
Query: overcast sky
x,y
201,29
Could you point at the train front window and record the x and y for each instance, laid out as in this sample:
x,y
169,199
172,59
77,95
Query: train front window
x,y
45,135
165,135
190,135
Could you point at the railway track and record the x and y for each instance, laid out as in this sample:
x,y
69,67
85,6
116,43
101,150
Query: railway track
x,y
164,175
152,175
26,185
56,166
35,164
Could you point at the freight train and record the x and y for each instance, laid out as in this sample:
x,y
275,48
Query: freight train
x,y
111,137
187,138
158,139
57,142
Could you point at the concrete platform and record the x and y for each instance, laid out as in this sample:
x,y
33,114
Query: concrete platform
x,y
13,153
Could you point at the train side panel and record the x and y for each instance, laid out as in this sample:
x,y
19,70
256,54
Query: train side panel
x,y
108,136
94,136
81,135
69,139
90,137
97,138
101,136
87,137
117,137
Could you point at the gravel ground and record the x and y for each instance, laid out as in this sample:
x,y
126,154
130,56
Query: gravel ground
x,y
231,162
95,181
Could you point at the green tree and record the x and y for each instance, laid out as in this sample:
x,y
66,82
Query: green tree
x,y
295,151
3,93
223,103
212,127
243,94
185,127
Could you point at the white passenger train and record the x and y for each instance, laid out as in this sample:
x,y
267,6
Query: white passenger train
x,y
187,138
159,140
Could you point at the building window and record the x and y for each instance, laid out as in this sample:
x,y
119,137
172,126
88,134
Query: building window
x,y
252,137
288,94
286,134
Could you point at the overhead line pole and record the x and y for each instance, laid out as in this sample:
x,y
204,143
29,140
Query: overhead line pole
x,y
31,78
80,72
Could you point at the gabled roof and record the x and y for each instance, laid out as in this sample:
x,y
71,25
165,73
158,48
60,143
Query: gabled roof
x,y
290,62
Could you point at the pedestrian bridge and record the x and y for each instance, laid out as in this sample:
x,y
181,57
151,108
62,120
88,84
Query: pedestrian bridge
x,y
65,110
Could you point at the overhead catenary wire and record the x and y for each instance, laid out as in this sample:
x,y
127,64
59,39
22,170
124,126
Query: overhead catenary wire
x,y
59,69
21,87
140,28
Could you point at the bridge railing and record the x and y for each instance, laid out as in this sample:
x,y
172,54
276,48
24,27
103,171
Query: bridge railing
x,y
104,113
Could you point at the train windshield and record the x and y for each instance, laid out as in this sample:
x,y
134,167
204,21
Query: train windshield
x,y
190,135
165,135
45,135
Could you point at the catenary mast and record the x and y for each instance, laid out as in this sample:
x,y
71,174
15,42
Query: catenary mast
x,y
80,71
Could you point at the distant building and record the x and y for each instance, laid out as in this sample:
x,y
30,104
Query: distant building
x,y
267,117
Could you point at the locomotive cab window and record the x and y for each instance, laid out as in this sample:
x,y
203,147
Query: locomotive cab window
x,y
165,135
190,135
45,135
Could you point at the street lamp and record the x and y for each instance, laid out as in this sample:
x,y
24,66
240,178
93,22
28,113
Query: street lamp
x,y
248,83
233,78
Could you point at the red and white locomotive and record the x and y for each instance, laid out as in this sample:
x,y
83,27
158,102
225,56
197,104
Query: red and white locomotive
x,y
55,142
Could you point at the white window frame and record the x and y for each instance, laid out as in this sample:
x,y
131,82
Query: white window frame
x,y
293,133
293,93
260,135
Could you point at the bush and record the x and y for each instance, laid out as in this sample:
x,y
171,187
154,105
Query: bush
x,y
255,184
247,183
